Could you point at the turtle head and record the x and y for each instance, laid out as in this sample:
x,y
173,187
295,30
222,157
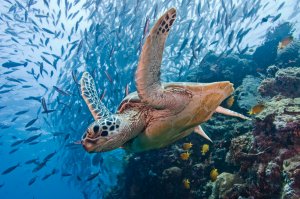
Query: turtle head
x,y
102,135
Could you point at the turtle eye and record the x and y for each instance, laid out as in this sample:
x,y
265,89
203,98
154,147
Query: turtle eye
x,y
96,129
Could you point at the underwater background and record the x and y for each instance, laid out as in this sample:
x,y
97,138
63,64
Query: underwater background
x,y
45,46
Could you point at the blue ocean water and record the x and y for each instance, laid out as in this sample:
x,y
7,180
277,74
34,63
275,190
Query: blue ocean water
x,y
47,45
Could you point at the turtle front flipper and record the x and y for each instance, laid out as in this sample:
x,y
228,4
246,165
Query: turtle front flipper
x,y
91,97
147,75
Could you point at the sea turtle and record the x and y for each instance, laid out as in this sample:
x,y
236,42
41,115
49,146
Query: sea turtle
x,y
158,114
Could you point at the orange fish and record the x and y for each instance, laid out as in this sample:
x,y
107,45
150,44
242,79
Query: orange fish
x,y
286,41
230,101
187,146
185,155
256,109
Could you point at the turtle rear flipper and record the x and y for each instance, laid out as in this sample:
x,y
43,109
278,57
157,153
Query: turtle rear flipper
x,y
147,77
91,97
226,111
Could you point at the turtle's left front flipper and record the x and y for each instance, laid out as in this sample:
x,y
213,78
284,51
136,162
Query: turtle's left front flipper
x,y
91,97
226,111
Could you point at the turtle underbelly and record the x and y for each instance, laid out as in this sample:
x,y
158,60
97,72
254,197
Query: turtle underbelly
x,y
163,137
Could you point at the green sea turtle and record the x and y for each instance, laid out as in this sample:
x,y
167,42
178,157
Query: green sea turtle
x,y
158,114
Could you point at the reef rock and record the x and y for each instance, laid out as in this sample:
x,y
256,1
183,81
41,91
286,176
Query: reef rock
x,y
286,83
278,115
239,148
224,183
291,171
289,56
247,92
172,173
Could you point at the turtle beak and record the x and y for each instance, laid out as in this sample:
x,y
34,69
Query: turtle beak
x,y
87,145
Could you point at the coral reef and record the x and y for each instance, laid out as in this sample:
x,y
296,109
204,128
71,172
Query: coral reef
x,y
286,82
257,159
247,95
288,56
224,184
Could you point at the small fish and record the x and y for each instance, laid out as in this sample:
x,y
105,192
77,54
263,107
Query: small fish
x,y
66,174
11,64
30,139
61,91
186,183
92,176
214,174
32,180
230,101
31,122
39,167
46,176
21,112
46,110
49,156
108,76
284,42
26,86
17,143
127,90
48,31
256,109
146,27
276,17
5,91
10,169
185,155
33,129
13,150
187,146
204,149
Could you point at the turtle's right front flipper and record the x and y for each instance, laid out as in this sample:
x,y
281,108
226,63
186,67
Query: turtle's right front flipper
x,y
147,77
91,97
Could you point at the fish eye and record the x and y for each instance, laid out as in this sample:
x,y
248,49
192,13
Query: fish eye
x,y
96,129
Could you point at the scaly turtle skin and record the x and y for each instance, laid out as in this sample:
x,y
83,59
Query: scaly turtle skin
x,y
158,114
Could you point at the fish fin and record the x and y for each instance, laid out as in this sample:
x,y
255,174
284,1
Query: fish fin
x,y
91,97
226,111
198,129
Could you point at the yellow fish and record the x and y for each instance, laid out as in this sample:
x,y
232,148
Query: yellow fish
x,y
230,101
187,146
214,174
205,149
256,109
186,183
185,155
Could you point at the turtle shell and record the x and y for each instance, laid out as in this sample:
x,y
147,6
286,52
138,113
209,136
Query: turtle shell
x,y
129,101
